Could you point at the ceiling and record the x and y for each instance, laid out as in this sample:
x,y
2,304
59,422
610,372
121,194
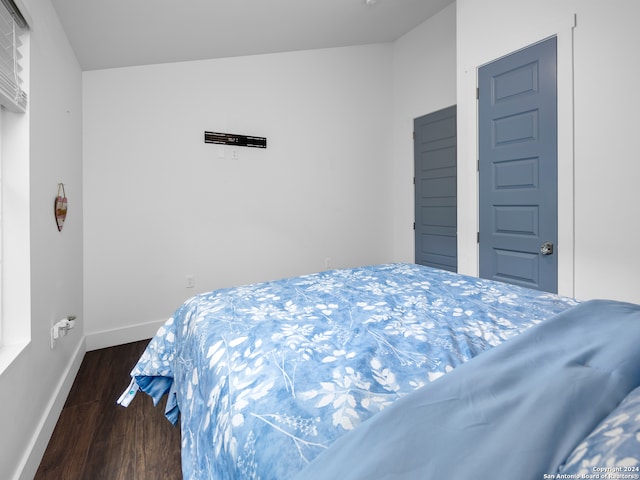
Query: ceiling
x,y
120,33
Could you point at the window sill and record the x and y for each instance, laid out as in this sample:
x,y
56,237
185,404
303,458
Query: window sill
x,y
8,353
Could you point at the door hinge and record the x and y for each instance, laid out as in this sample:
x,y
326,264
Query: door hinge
x,y
478,237
478,166
414,225
477,93
414,180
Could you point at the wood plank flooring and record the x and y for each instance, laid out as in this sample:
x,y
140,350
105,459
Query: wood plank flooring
x,y
97,439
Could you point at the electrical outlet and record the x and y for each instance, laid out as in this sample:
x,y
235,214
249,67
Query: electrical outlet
x,y
328,263
191,281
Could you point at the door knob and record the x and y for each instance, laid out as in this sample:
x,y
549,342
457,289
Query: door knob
x,y
546,248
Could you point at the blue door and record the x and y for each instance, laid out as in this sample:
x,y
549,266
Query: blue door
x,y
517,132
435,151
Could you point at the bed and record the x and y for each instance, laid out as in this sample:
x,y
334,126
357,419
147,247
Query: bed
x,y
397,371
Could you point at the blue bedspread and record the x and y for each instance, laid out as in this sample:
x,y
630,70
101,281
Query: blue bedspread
x,y
267,376
516,411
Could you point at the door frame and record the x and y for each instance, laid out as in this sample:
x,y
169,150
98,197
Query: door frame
x,y
468,188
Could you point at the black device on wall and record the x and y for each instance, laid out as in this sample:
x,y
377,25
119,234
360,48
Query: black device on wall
x,y
233,139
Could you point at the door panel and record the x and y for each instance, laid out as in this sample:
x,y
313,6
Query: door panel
x,y
517,128
435,157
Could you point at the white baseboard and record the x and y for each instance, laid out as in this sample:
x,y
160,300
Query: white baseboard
x,y
31,460
108,338
120,336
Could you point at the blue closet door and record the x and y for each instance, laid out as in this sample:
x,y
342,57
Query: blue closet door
x,y
517,128
435,152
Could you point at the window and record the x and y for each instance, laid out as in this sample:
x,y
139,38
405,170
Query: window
x,y
12,27
15,293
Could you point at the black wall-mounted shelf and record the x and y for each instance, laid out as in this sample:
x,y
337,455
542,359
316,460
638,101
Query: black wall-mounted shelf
x,y
233,139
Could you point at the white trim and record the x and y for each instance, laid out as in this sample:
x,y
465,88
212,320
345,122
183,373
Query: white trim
x,y
15,310
120,336
8,353
29,463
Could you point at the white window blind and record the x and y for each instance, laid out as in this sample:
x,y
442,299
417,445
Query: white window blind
x,y
12,26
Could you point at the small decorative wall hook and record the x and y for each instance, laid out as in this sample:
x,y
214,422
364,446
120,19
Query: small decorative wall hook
x,y
60,206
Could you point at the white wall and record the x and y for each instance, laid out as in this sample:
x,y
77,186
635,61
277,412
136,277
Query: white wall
x,y
161,204
598,100
424,81
607,158
33,388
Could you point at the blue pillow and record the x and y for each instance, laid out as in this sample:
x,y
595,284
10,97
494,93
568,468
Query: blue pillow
x,y
613,447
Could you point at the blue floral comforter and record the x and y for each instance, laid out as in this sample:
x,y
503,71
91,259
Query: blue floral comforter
x,y
516,411
266,376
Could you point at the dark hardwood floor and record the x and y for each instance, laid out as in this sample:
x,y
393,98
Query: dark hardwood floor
x,y
97,439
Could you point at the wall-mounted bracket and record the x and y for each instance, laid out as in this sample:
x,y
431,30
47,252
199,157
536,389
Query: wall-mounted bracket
x,y
234,139
61,328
